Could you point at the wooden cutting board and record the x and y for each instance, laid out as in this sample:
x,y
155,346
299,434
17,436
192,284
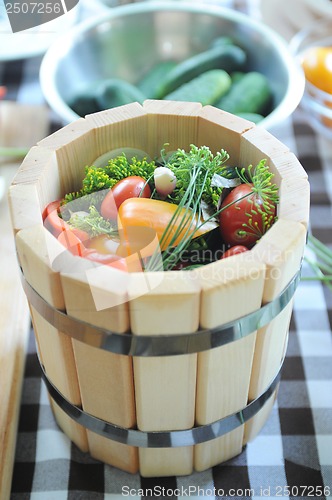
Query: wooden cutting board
x,y
23,126
14,328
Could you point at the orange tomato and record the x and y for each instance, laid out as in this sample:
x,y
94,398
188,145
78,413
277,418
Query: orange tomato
x,y
317,67
104,250
103,244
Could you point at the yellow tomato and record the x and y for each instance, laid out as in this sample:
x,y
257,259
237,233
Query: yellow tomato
x,y
103,244
317,67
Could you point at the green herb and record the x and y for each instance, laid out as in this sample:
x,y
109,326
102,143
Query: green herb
x,y
14,152
181,164
260,177
265,190
100,178
199,176
322,267
93,223
183,222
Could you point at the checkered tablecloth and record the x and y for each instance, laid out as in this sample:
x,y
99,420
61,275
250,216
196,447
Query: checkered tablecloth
x,y
291,457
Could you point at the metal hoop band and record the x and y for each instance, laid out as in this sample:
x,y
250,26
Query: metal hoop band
x,y
161,439
162,345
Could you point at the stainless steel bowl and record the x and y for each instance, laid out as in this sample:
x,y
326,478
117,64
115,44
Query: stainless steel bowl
x,y
126,41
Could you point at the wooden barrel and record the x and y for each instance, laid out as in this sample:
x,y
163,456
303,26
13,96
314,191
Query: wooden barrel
x,y
159,373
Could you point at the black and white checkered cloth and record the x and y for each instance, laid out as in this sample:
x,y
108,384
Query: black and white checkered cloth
x,y
292,455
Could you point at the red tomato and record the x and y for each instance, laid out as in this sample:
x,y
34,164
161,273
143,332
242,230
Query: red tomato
x,y
245,221
130,187
69,240
234,251
51,218
56,225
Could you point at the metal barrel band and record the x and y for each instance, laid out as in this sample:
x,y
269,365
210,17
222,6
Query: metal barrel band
x,y
160,345
161,439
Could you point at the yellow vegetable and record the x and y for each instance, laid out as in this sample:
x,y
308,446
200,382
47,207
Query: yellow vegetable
x,y
317,67
142,224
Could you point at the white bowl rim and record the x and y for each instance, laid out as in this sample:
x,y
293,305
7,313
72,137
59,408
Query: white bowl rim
x,y
299,37
296,80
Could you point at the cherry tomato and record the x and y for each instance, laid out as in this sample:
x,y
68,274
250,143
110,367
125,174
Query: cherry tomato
x,y
130,187
49,209
69,240
56,224
236,249
102,258
244,222
317,67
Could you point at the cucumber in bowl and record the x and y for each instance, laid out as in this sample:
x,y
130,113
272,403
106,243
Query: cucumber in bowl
x,y
216,76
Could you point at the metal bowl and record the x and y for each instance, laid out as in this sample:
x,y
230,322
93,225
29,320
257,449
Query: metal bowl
x,y
126,41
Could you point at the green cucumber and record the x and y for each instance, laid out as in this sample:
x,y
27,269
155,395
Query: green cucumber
x,y
152,80
236,76
221,40
223,56
84,103
251,94
116,92
206,88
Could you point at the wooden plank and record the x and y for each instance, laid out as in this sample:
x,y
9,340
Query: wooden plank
x,y
72,147
14,332
286,165
39,165
61,157
258,144
281,249
172,122
231,288
37,249
221,130
165,386
294,194
124,126
255,424
105,379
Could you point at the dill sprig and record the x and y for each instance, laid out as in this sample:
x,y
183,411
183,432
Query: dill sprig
x,y
186,217
265,200
260,177
181,163
322,267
